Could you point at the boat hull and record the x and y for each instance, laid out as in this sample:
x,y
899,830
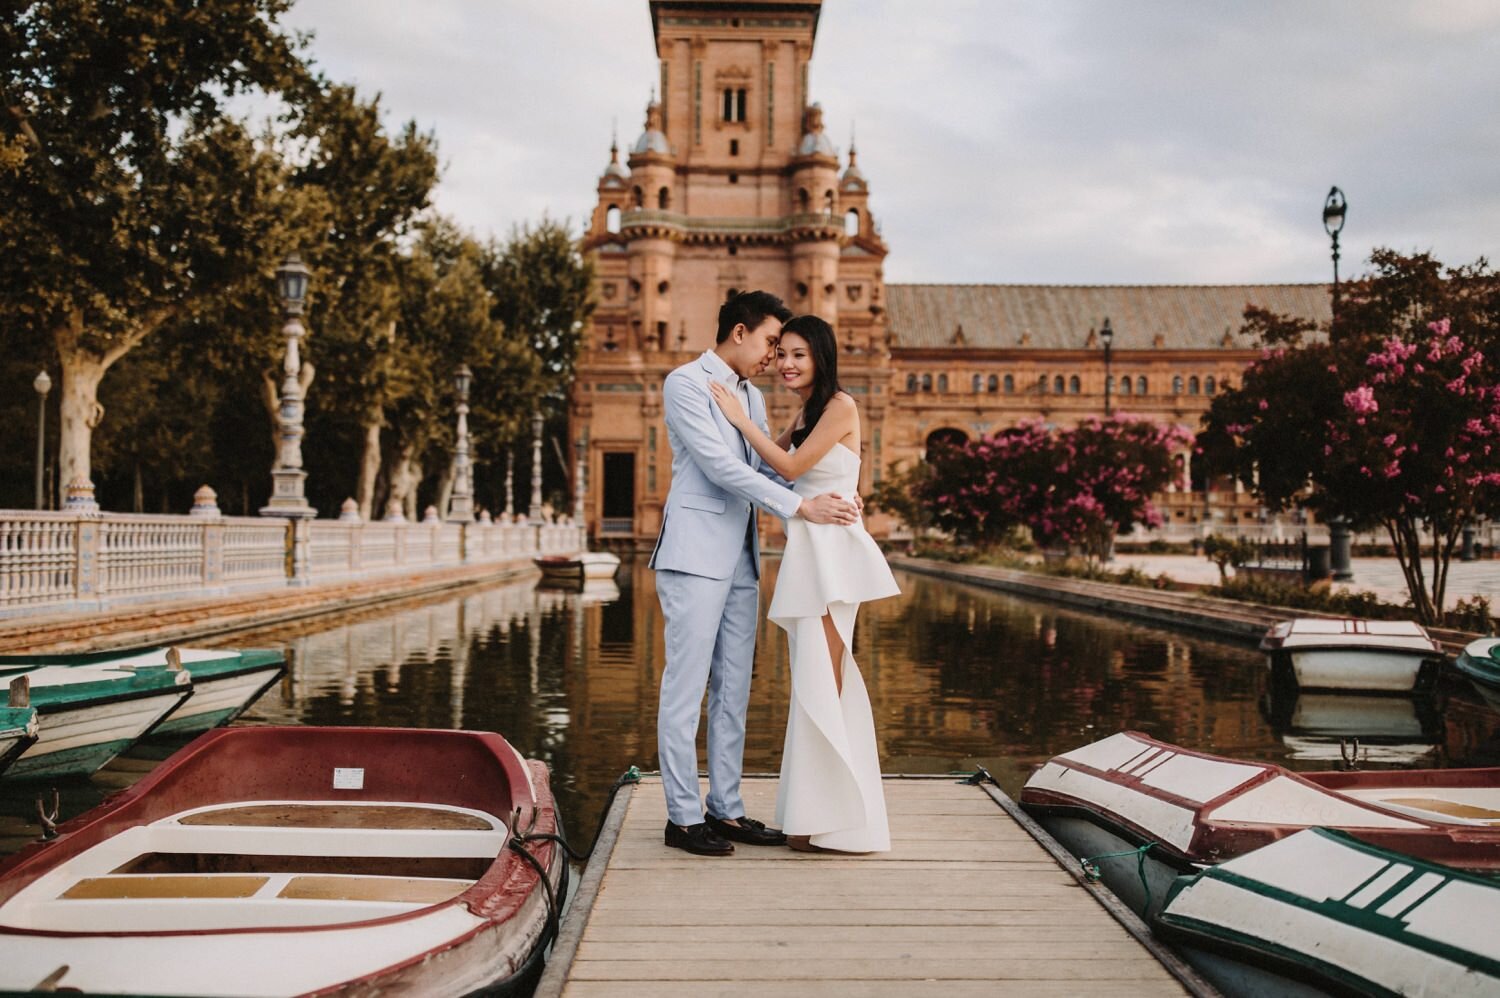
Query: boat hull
x,y
1342,914
276,861
1480,661
78,739
1367,670
217,700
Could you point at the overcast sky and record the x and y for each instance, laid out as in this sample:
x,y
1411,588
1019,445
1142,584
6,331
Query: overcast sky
x,y
1050,141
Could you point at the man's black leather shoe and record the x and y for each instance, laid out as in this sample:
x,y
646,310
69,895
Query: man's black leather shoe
x,y
697,839
748,831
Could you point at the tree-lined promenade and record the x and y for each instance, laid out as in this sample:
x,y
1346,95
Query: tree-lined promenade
x,y
144,220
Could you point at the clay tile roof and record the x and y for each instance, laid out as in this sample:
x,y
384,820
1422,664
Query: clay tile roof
x,y
1059,317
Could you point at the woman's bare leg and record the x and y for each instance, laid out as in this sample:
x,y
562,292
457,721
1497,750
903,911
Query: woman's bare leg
x,y
835,652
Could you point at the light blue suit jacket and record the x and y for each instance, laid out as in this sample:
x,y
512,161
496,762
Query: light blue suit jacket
x,y
717,479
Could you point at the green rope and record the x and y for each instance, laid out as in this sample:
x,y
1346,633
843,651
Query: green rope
x,y
1091,868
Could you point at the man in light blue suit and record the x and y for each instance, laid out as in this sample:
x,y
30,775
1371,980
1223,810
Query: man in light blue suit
x,y
707,562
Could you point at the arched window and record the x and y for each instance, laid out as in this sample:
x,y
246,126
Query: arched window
x,y
828,202
942,383
1058,385
1208,385
1176,384
911,382
637,199
1125,386
1010,384
804,202
664,198
1041,384
1074,385
947,436
612,219
926,382
978,382
1140,385
734,104
1193,385
851,222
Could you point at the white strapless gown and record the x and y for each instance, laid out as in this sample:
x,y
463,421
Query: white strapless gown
x,y
830,769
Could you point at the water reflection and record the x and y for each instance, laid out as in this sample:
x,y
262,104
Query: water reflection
x,y
1333,729
958,676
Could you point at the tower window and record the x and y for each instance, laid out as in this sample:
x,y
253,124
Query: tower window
x,y
911,382
926,382
1177,384
734,104
1193,385
1208,385
1058,385
1141,385
734,147
1010,384
664,198
1074,385
851,222
612,219
978,382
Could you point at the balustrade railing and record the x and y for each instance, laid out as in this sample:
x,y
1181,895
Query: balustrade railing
x,y
82,560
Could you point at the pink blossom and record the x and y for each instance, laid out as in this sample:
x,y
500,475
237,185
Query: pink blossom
x,y
1389,440
1361,400
1264,405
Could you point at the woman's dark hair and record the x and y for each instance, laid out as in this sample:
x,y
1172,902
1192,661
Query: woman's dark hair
x,y
824,350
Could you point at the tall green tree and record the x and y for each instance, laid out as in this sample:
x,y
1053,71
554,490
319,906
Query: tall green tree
x,y
126,201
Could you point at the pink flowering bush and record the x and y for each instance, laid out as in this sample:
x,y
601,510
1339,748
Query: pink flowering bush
x,y
1069,487
1392,420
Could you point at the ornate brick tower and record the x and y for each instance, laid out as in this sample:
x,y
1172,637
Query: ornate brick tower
x,y
732,186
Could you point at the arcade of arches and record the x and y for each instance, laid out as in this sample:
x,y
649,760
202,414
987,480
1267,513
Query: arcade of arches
x,y
734,184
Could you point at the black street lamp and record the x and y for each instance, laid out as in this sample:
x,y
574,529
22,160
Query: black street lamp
x,y
42,384
1107,334
1335,207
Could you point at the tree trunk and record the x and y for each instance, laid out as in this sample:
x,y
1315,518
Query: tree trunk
x,y
414,475
81,412
445,488
369,465
402,481
139,505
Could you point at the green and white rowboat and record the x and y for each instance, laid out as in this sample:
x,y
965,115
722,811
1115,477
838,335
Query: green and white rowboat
x,y
17,732
88,714
225,680
1327,908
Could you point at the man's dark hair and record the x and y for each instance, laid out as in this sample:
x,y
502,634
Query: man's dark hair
x,y
752,308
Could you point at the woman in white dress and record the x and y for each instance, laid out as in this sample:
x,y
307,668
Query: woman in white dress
x,y
830,795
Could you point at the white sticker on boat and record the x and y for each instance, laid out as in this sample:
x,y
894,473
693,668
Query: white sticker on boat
x,y
348,779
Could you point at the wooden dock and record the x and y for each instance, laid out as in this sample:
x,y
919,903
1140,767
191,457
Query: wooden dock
x,y
968,902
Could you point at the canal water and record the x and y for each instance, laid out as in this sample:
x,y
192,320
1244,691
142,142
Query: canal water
x,y
959,677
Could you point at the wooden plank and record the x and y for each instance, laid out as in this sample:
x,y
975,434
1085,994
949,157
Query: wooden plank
x,y
965,903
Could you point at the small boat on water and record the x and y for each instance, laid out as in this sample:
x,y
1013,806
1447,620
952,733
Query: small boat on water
x,y
589,565
17,732
1480,661
1193,809
88,714
1325,907
1377,656
225,680
296,860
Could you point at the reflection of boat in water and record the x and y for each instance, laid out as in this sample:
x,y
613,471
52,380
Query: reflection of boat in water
x,y
1325,907
1345,727
588,565
587,590
1387,656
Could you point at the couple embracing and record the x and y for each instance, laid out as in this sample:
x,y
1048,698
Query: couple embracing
x,y
725,465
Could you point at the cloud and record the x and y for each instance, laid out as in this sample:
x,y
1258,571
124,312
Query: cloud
x,y
1073,141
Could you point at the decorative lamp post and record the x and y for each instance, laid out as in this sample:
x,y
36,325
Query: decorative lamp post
x,y
1335,207
580,448
510,481
287,476
1107,334
43,384
461,505
534,511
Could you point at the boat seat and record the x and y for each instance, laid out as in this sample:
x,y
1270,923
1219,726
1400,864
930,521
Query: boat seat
x,y
1449,808
121,887
403,890
386,817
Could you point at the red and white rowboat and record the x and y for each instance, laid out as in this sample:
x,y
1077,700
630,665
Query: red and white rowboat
x,y
296,860
1200,809
1376,656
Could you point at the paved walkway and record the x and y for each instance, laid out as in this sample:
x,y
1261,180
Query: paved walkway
x,y
1381,576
